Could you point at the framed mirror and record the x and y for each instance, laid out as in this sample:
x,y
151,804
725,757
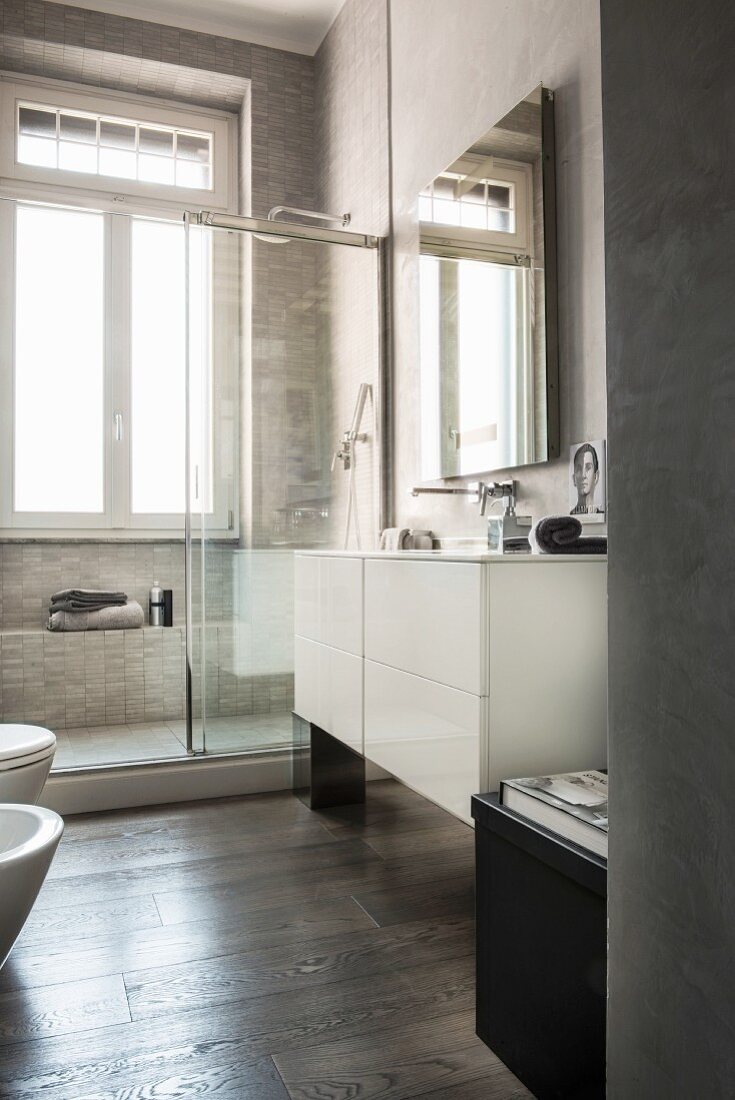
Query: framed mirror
x,y
489,344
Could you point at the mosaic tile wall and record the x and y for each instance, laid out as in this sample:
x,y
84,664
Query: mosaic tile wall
x,y
110,677
138,676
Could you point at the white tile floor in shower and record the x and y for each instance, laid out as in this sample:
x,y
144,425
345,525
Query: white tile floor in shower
x,y
100,745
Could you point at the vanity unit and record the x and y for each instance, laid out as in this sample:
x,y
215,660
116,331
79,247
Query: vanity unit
x,y
453,671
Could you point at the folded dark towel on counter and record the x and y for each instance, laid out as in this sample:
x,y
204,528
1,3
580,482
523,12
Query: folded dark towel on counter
x,y
86,599
563,535
129,616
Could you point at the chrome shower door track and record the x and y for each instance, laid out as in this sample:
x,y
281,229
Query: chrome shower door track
x,y
291,230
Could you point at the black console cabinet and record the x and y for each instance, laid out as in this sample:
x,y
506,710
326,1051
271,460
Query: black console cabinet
x,y
541,954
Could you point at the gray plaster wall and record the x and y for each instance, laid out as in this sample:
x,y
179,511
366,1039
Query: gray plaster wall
x,y
351,175
669,145
456,69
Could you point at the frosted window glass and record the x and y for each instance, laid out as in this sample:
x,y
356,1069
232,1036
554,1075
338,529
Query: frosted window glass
x,y
118,162
158,367
39,151
59,361
193,147
473,216
36,121
77,158
191,174
78,128
498,196
118,135
446,212
152,140
152,169
501,220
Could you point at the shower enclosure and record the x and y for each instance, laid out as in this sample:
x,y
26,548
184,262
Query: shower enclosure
x,y
284,335
211,369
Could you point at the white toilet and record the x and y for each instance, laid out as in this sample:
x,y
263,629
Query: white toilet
x,y
26,755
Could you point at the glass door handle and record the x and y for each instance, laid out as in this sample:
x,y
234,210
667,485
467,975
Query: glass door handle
x,y
117,421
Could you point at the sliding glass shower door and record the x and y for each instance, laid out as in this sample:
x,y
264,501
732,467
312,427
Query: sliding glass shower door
x,y
283,331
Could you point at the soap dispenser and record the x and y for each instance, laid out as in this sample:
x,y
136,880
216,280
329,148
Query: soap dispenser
x,y
507,534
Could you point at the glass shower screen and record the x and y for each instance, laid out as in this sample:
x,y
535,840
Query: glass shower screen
x,y
283,330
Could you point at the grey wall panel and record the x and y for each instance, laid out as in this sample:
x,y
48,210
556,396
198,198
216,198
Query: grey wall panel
x,y
669,153
456,68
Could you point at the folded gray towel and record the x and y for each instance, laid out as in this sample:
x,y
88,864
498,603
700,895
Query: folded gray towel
x,y
128,617
563,535
85,599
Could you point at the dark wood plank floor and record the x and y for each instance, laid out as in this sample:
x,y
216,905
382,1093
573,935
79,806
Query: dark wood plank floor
x,y
249,948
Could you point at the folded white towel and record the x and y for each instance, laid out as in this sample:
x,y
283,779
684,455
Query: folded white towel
x,y
394,538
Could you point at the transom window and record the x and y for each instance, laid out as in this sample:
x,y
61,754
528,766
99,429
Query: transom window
x,y
461,199
121,148
479,200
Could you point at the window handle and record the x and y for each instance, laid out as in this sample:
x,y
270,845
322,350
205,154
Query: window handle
x,y
117,420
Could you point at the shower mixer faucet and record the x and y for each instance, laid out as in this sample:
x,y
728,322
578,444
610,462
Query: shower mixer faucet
x,y
343,453
345,449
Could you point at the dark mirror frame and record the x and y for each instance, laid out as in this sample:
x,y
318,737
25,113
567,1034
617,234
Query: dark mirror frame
x,y
548,158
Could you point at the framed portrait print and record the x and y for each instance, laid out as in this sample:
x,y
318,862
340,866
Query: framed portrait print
x,y
588,481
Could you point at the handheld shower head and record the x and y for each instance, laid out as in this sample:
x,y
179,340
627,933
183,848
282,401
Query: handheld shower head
x,y
362,396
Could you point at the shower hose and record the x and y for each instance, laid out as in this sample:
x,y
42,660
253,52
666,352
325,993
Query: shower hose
x,y
352,507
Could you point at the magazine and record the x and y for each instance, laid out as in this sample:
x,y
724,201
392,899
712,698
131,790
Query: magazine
x,y
574,805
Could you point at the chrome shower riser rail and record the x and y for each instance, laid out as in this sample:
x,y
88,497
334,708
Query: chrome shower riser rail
x,y
289,230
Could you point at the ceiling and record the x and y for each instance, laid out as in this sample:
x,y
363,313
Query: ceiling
x,y
297,25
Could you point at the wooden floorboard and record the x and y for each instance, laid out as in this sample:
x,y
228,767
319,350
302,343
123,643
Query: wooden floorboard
x,y
248,948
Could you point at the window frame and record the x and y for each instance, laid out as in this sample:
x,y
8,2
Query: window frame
x,y
519,175
64,95
98,194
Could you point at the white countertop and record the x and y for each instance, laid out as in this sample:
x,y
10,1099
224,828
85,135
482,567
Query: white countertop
x,y
462,555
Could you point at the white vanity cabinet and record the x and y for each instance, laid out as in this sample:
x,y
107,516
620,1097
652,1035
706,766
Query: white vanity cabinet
x,y
471,669
328,647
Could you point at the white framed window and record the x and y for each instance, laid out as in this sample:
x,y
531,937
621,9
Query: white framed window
x,y
480,200
93,339
63,135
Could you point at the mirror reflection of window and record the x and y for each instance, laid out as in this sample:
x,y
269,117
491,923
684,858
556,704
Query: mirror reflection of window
x,y
484,395
475,343
462,199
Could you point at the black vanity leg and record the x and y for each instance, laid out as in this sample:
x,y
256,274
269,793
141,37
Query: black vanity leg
x,y
326,772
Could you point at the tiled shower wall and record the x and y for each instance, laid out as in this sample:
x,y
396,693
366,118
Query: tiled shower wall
x,y
68,680
111,677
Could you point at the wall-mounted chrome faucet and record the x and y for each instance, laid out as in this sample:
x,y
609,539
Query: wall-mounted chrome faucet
x,y
497,491
482,491
473,489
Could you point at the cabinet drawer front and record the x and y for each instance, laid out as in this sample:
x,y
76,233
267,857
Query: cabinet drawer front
x,y
328,690
428,618
425,734
328,601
